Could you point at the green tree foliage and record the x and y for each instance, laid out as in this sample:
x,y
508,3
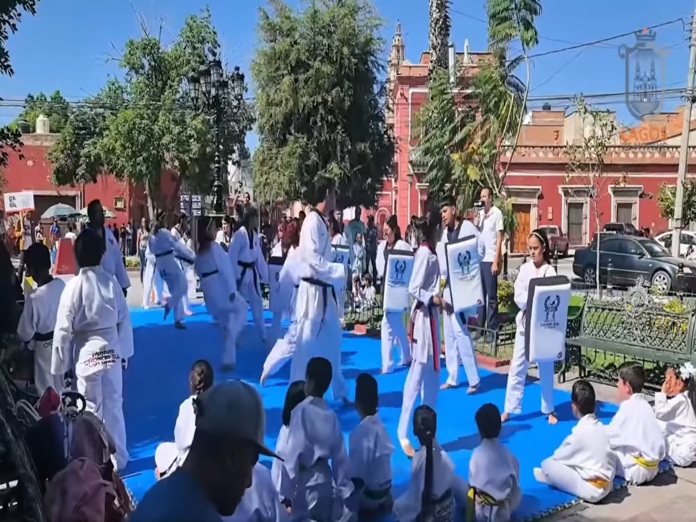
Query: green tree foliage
x,y
320,103
665,201
54,107
144,124
11,12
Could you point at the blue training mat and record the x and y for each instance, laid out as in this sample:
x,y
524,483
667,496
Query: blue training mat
x,y
156,382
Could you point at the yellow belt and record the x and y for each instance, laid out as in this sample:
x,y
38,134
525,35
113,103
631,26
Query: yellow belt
x,y
645,463
599,483
477,495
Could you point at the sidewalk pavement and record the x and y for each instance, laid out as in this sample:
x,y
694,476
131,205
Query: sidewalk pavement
x,y
670,497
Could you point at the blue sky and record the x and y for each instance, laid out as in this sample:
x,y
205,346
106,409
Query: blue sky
x,y
67,46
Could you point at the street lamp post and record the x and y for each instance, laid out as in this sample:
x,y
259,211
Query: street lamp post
x,y
220,95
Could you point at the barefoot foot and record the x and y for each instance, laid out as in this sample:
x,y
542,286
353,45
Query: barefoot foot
x,y
552,418
539,476
447,386
472,389
505,417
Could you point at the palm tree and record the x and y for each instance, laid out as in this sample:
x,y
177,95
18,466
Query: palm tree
x,y
439,34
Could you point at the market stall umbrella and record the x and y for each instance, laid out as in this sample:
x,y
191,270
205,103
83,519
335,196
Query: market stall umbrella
x,y
108,214
60,211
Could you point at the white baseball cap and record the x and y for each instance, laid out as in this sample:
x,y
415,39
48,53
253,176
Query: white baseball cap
x,y
233,409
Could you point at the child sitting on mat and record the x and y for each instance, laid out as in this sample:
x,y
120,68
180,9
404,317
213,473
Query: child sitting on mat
x,y
635,435
584,464
494,472
674,409
434,489
370,451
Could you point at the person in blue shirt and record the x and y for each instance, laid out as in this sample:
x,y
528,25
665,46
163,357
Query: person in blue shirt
x,y
230,426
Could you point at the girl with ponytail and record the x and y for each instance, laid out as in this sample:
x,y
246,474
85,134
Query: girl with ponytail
x,y
434,489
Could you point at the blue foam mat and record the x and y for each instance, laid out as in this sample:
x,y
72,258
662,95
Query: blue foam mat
x,y
156,383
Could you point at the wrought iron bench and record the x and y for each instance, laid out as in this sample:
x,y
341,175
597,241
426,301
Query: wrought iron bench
x,y
636,325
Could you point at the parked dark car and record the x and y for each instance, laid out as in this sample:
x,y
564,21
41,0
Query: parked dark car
x,y
557,239
623,228
634,258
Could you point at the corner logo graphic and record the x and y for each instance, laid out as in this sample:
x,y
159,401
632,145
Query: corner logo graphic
x,y
645,74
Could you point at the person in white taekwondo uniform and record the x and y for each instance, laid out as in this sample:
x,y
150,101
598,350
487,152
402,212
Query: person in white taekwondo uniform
x,y
458,343
249,266
635,435
583,465
316,305
179,231
494,472
393,328
538,266
38,318
168,254
151,279
280,304
219,289
93,338
674,409
288,282
111,262
424,373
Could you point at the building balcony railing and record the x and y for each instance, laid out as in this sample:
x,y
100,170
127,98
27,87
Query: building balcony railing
x,y
617,154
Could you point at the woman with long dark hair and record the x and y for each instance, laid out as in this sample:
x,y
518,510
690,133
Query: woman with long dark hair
x,y
281,302
424,374
539,265
219,289
393,328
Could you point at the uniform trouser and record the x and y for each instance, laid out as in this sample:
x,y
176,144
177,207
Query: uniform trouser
x,y
517,375
252,296
229,329
458,346
681,452
633,472
421,379
567,479
176,282
276,325
151,279
103,392
394,332
282,351
185,298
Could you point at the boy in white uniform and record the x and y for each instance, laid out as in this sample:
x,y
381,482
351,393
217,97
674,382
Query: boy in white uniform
x,y
584,464
634,433
494,472
93,337
317,479
39,316
370,451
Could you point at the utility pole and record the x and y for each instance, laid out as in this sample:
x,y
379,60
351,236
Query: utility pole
x,y
684,150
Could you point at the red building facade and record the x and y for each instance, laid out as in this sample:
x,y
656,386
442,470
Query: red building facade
x,y
537,183
33,172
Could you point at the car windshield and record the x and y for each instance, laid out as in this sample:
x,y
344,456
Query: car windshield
x,y
654,249
550,231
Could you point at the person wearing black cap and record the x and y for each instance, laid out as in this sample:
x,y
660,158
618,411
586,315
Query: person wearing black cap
x,y
393,328
457,338
219,467
168,254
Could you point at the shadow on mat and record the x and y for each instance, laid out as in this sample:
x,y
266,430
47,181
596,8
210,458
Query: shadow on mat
x,y
617,496
469,442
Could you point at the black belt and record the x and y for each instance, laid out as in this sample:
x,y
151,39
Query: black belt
x,y
164,253
245,267
42,337
324,294
208,274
